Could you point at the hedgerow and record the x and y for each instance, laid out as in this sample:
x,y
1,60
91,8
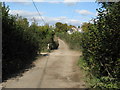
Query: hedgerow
x,y
101,46
21,42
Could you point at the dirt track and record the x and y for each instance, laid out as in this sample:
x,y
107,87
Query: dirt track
x,y
57,70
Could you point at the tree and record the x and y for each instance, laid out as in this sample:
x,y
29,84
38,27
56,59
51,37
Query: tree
x,y
61,27
78,26
101,45
85,26
19,47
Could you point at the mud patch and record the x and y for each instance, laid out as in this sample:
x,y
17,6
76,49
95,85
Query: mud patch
x,y
75,77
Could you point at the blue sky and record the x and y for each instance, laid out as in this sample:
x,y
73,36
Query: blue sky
x,y
74,13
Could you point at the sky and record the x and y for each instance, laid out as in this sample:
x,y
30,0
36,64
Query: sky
x,y
72,12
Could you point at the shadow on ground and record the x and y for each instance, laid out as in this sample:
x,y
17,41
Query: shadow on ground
x,y
19,72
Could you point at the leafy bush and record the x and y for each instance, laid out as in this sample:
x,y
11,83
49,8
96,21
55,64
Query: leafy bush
x,y
101,46
73,40
21,42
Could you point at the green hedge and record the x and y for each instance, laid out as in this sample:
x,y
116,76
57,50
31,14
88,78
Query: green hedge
x,y
101,46
21,42
73,40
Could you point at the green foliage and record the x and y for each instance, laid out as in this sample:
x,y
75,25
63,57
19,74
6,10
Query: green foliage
x,y
21,42
101,46
73,40
103,82
85,26
62,27
82,64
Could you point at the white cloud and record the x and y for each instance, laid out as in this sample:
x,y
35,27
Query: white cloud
x,y
25,13
55,2
15,0
70,2
66,1
79,0
84,12
51,20
22,0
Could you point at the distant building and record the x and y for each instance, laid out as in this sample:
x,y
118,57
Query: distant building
x,y
70,31
80,30
73,29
